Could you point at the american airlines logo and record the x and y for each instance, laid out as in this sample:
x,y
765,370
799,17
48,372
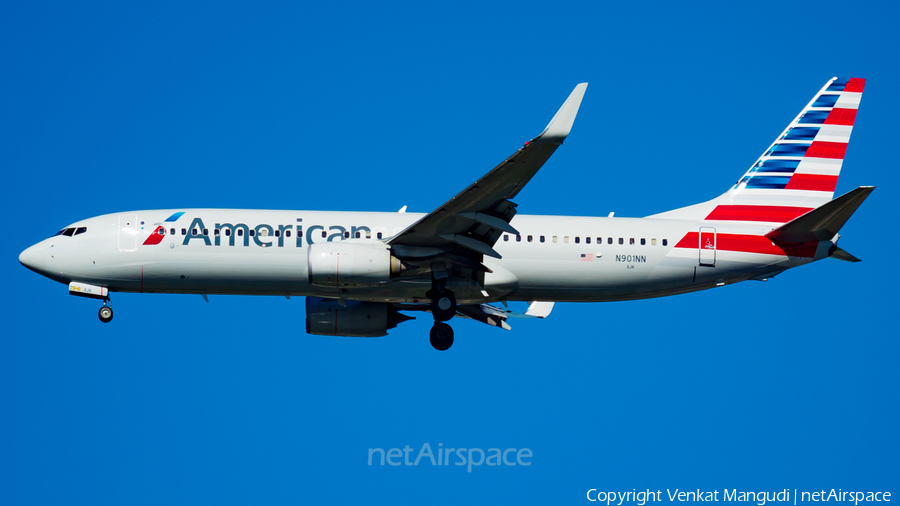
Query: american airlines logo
x,y
263,235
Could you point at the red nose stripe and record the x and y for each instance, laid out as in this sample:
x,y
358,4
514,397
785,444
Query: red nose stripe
x,y
154,238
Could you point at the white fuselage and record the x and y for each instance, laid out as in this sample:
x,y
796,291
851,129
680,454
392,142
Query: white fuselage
x,y
264,252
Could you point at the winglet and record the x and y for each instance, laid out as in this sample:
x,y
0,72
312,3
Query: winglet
x,y
561,124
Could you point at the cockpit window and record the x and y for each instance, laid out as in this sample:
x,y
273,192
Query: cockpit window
x,y
59,233
80,230
69,232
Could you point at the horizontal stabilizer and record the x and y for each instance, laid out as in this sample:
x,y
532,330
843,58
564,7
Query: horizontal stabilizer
x,y
840,254
824,222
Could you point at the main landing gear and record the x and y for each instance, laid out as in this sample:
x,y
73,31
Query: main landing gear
x,y
106,312
443,307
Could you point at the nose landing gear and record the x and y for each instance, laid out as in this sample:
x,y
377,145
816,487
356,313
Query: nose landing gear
x,y
106,313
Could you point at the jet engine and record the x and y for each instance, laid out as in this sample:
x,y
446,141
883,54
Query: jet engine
x,y
337,264
328,317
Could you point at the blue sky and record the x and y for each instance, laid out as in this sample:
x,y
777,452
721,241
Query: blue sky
x,y
791,383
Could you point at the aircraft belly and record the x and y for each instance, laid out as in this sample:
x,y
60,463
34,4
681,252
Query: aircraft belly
x,y
223,272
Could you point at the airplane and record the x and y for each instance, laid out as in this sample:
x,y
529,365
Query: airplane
x,y
361,271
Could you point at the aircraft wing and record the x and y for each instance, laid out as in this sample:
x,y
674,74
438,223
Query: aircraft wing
x,y
470,223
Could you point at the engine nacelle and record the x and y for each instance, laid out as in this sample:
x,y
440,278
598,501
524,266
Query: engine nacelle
x,y
327,317
338,264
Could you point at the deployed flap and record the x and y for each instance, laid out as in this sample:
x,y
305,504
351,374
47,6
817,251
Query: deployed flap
x,y
824,222
485,314
474,215
540,309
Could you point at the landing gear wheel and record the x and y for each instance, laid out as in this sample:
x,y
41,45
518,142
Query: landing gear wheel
x,y
106,314
441,336
443,306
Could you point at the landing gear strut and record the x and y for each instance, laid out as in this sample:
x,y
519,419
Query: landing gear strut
x,y
443,307
106,313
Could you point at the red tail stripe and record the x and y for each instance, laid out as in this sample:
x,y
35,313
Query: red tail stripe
x,y
824,149
855,84
841,117
751,244
816,182
776,214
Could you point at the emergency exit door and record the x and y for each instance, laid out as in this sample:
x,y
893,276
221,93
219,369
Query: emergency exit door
x,y
708,246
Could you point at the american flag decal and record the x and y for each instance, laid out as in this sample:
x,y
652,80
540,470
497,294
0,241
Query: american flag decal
x,y
587,257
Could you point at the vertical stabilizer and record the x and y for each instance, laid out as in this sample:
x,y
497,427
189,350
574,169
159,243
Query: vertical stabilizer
x,y
799,171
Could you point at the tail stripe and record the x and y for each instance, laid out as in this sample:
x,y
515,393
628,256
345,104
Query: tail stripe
x,y
814,182
799,171
841,117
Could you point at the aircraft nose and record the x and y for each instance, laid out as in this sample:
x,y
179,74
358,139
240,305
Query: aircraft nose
x,y
35,258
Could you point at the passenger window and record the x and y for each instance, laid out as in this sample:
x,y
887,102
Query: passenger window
x,y
566,239
80,230
599,240
193,231
379,235
205,231
368,234
346,235
324,234
542,238
215,231
287,233
554,239
621,241
631,241
643,241
653,242
299,233
609,240
252,232
577,240
172,231
665,242
240,232
162,231
505,237
227,232
184,231
278,233
518,238
530,238
358,235
587,240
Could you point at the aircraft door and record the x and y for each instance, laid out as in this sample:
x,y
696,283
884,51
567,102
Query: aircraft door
x,y
128,232
708,246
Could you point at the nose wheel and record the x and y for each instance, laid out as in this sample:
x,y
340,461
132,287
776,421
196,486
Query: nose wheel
x,y
106,313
